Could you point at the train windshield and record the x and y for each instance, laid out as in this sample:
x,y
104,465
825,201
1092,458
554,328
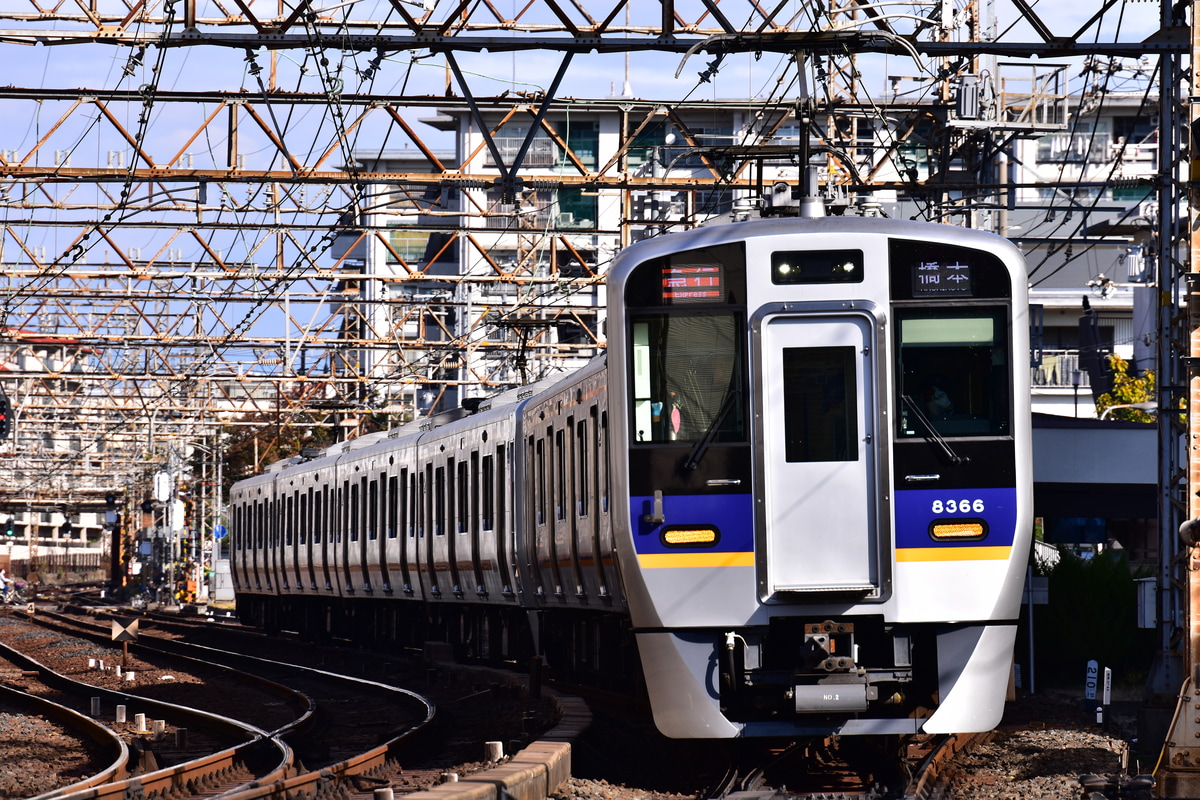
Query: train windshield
x,y
688,379
955,366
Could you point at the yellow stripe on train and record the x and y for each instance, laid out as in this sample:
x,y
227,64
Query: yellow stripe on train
x,y
704,559
953,553
746,559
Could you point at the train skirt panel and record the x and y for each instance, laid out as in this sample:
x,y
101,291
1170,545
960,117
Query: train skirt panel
x,y
974,668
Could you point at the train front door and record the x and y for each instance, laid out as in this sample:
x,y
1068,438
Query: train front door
x,y
819,401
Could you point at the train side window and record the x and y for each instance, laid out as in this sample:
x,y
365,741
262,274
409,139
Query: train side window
x,y
372,510
560,476
463,498
296,520
393,506
488,487
501,489
407,502
305,522
688,378
420,512
289,507
354,512
475,490
539,484
319,514
439,501
452,491
258,526
341,510
601,454
955,364
289,520
581,459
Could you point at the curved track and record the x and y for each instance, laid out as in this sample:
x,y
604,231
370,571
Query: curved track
x,y
345,739
104,744
909,767
249,753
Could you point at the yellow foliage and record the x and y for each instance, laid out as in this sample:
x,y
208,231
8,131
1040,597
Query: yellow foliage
x,y
1127,389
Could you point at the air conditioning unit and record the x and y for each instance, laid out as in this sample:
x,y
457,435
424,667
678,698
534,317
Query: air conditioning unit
x,y
566,219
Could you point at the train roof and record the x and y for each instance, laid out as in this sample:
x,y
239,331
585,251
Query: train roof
x,y
508,397
731,228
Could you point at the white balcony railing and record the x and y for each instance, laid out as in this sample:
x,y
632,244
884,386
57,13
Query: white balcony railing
x,y
1060,370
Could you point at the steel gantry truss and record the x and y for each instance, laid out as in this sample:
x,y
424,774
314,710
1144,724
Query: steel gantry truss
x,y
168,258
201,198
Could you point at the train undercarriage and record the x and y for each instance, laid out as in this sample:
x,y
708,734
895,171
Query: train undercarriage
x,y
593,649
826,667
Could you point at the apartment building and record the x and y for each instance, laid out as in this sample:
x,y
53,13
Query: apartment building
x,y
492,285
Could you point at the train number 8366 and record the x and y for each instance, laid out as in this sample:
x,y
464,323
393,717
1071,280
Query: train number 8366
x,y
964,506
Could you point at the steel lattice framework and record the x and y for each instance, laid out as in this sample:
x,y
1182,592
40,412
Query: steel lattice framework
x,y
184,191
199,204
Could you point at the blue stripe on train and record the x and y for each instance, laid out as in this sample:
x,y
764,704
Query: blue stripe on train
x,y
731,514
917,508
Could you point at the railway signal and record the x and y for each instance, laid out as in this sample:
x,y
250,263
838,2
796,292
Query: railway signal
x,y
5,415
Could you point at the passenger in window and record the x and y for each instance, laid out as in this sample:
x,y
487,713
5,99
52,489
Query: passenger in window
x,y
937,403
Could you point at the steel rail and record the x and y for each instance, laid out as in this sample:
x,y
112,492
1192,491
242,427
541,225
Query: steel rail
x,y
258,746
330,780
110,744
932,776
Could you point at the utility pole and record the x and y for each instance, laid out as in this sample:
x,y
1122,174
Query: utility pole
x,y
1179,368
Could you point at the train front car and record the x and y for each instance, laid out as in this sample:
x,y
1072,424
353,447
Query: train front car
x,y
821,435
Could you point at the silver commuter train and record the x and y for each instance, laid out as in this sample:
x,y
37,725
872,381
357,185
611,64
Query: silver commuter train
x,y
800,483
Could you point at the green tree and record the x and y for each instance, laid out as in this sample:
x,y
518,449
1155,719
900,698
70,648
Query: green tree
x,y
1092,614
263,438
1127,389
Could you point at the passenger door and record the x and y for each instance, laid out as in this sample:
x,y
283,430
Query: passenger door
x,y
820,480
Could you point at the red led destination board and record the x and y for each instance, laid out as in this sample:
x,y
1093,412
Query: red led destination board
x,y
696,284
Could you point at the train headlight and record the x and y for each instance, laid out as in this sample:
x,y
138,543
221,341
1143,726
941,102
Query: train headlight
x,y
690,537
958,530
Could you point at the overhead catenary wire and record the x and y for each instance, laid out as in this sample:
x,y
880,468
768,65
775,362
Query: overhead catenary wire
x,y
307,242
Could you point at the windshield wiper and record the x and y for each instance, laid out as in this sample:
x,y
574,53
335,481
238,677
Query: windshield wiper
x,y
934,436
702,444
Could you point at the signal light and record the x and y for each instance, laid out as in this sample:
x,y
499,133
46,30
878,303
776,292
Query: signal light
x,y
10,527
5,415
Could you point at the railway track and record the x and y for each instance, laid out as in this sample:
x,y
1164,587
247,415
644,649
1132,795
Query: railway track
x,y
70,743
221,753
820,769
910,768
348,761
